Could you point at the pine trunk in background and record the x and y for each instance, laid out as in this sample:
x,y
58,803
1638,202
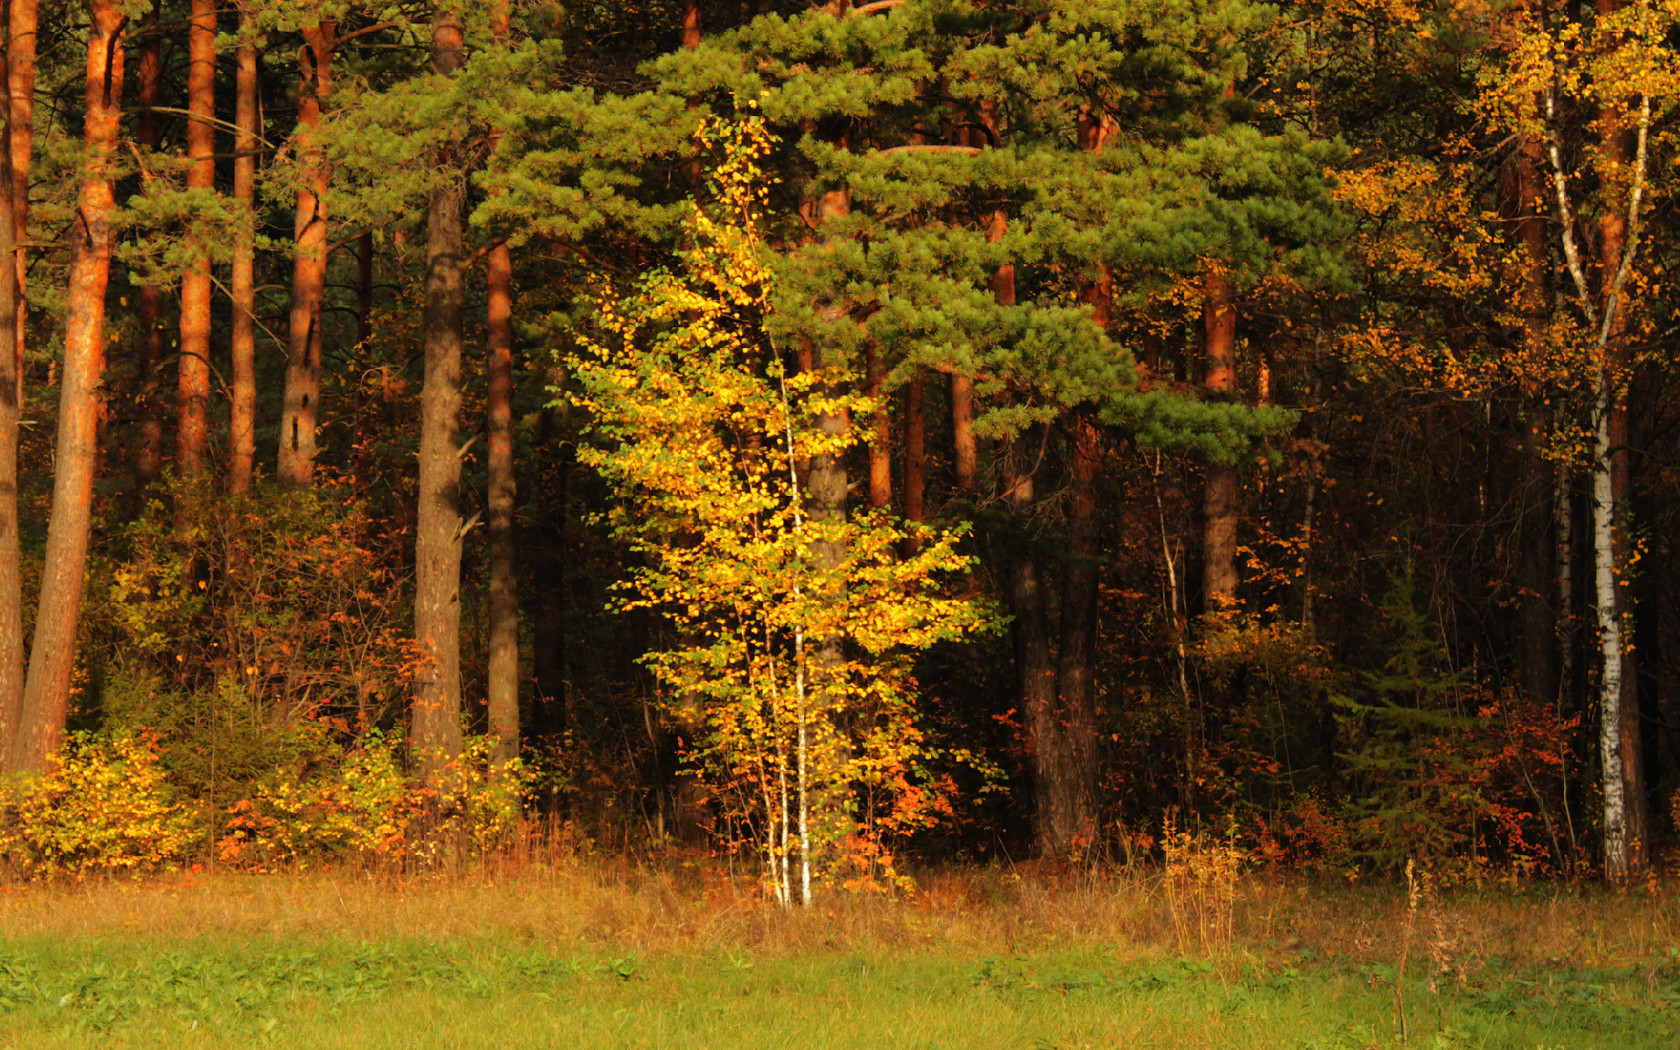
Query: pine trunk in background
x,y
11,565
502,687
148,444
192,406
1220,502
1537,646
915,455
880,448
46,698
20,86
242,343
963,455
301,406
436,732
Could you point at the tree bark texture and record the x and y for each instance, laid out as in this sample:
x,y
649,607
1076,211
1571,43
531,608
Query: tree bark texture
x,y
148,446
301,408
436,734
1221,500
1620,756
11,574
503,680
20,85
242,427
880,447
46,698
915,455
192,406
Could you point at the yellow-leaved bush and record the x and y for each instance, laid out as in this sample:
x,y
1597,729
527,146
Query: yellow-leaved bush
x,y
101,806
366,807
788,667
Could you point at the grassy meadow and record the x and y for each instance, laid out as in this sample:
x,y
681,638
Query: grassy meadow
x,y
685,955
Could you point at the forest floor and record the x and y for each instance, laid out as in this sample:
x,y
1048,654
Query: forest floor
x,y
682,954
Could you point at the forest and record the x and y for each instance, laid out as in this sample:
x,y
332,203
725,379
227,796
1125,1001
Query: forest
x,y
843,438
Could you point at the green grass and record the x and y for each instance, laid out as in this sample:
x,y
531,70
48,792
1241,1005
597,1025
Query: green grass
x,y
133,991
689,955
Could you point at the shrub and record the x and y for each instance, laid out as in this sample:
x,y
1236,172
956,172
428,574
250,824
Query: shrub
x,y
366,807
101,806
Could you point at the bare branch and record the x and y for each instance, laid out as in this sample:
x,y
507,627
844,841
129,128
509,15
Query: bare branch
x,y
1566,214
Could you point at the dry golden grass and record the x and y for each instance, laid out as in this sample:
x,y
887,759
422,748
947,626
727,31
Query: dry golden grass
x,y
687,905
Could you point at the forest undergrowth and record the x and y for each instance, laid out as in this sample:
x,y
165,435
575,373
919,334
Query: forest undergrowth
x,y
610,951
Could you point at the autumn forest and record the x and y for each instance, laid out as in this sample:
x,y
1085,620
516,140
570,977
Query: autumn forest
x,y
841,437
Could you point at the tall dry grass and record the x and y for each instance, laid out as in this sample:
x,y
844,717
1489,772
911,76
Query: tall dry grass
x,y
694,904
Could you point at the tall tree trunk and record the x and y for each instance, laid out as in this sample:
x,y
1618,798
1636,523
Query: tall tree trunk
x,y
964,458
11,567
503,683
301,406
148,445
46,697
1624,810
1035,670
880,449
242,428
192,435
437,543
1220,501
1537,620
20,84
915,455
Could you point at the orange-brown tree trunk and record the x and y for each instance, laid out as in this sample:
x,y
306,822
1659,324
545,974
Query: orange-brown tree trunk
x,y
242,341
192,406
46,697
148,445
436,723
503,681
300,409
20,85
915,455
1220,502
11,567
880,448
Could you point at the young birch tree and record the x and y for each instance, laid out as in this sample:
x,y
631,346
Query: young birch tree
x,y
708,439
1617,67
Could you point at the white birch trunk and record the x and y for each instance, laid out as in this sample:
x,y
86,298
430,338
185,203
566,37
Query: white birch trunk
x,y
1610,641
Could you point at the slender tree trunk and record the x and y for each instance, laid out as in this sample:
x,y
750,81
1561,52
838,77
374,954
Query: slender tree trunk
x,y
20,81
1035,672
11,568
1624,811
437,546
301,407
1220,502
46,698
1537,620
503,683
192,406
1075,809
915,455
148,447
880,449
242,429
